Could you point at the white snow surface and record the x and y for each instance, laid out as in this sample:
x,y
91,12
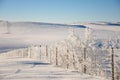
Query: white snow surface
x,y
30,69
24,34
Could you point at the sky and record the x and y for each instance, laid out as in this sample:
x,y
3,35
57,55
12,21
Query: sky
x,y
60,11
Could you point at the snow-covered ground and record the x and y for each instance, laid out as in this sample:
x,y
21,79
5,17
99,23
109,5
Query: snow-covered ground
x,y
30,69
69,38
22,34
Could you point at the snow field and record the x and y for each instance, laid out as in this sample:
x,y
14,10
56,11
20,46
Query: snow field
x,y
82,50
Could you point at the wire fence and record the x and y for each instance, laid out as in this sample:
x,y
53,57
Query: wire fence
x,y
88,60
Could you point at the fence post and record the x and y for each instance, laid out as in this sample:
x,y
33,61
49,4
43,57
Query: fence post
x,y
46,51
73,60
40,52
50,58
67,59
84,60
56,56
112,63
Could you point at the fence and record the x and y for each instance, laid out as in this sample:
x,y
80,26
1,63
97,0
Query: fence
x,y
88,60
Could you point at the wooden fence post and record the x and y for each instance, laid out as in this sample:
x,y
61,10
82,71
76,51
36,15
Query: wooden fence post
x,y
112,63
46,51
50,58
56,56
84,60
73,60
67,59
40,52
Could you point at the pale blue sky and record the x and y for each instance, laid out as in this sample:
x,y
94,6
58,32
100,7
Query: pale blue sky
x,y
60,11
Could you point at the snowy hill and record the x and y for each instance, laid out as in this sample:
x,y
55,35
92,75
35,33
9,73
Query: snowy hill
x,y
112,26
22,34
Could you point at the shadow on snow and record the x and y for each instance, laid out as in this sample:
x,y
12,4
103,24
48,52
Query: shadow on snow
x,y
34,63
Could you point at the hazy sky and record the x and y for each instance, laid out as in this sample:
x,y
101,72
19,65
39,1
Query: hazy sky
x,y
60,11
